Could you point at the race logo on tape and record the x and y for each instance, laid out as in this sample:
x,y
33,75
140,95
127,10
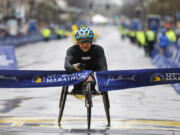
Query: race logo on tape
x,y
54,78
157,77
37,79
172,76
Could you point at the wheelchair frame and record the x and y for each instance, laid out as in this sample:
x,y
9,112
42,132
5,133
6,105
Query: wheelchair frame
x,y
88,103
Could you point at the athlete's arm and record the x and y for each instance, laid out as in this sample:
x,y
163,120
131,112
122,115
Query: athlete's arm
x,y
70,66
69,61
102,64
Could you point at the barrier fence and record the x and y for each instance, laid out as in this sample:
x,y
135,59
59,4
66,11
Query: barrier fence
x,y
22,40
7,58
170,59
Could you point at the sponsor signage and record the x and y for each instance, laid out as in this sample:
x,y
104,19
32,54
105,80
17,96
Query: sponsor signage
x,y
7,58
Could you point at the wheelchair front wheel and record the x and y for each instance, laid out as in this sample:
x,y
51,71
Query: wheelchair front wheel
x,y
89,116
88,103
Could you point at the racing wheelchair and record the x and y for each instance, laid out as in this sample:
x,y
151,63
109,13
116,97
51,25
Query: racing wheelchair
x,y
87,93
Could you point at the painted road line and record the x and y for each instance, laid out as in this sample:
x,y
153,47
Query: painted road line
x,y
82,123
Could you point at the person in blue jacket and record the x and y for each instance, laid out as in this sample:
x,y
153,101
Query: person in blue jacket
x,y
163,42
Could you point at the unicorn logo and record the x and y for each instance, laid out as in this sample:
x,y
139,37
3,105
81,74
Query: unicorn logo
x,y
37,79
157,77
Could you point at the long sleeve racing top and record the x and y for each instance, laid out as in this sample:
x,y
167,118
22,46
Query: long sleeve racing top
x,y
94,59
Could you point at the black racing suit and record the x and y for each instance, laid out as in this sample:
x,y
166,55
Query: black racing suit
x,y
94,60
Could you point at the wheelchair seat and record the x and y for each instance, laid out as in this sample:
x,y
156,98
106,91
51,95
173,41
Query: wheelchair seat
x,y
81,92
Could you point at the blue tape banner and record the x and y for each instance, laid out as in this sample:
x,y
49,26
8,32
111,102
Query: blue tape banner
x,y
32,79
123,79
106,80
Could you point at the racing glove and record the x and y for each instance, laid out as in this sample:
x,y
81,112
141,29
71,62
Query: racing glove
x,y
81,66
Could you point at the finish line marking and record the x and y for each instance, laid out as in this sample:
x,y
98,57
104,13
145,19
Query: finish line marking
x,y
82,123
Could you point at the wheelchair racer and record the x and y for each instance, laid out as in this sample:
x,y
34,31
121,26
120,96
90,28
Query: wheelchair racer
x,y
85,55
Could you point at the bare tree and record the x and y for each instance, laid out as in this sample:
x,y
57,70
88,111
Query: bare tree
x,y
46,11
83,4
164,7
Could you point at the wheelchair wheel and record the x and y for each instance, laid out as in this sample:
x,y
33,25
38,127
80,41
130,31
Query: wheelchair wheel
x,y
89,116
88,104
62,103
106,107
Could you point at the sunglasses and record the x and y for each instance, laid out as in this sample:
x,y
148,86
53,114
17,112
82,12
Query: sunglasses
x,y
85,41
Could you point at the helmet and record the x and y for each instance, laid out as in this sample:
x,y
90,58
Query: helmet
x,y
84,33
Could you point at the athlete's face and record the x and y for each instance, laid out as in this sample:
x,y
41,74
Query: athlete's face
x,y
85,45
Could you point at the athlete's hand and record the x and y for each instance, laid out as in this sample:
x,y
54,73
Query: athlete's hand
x,y
89,79
79,66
